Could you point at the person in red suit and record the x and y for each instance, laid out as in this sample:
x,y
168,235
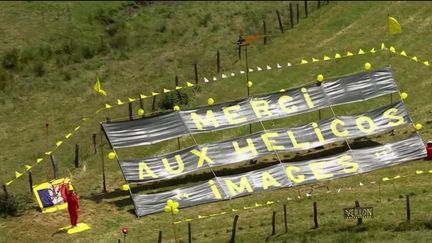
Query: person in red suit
x,y
73,206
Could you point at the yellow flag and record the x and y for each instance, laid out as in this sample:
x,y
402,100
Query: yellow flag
x,y
337,55
119,102
326,58
9,182
59,143
131,99
303,61
393,26
17,174
97,87
28,167
38,160
143,96
189,84
315,60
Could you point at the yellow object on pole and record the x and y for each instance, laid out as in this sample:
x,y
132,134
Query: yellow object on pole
x,y
393,26
210,101
418,126
140,112
404,95
176,108
125,187
249,84
97,87
320,77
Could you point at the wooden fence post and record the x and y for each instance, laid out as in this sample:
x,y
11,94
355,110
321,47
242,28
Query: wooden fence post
x,y
359,220
94,143
280,21
319,4
285,219
5,191
54,166
265,32
154,103
160,236
217,61
306,8
196,73
102,160
408,208
189,232
234,228
130,111
77,152
298,13
274,223
291,15
30,182
315,214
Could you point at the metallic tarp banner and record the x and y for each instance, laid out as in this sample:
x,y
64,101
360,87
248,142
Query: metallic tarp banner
x,y
285,175
264,143
354,88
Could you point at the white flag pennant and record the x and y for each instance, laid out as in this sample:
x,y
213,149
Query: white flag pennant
x,y
279,66
259,69
232,74
289,65
268,67
242,72
206,80
251,70
214,78
223,75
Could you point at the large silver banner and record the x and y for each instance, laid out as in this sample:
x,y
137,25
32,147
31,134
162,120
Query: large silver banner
x,y
159,128
263,143
285,175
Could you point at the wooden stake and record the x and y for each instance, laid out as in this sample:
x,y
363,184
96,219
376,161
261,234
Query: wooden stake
x,y
274,223
196,73
285,219
298,13
359,220
189,232
306,8
280,21
154,103
315,214
234,228
103,162
54,166
77,152
130,111
265,32
408,208
217,61
94,143
160,236
30,182
291,16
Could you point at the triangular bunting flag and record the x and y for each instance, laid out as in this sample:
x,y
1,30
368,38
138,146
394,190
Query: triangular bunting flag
x,y
214,78
383,46
392,49
259,69
414,58
397,177
17,174
361,52
97,87
268,67
269,202
9,182
28,167
179,87
107,106
189,84
337,55
234,210
349,54
119,102
143,96
278,66
154,93
393,26
372,50
38,160
426,63
242,72
326,58
403,53
48,153
232,74
206,80
77,128
223,75
251,70
85,119
67,136
166,90
418,172
59,143
385,179
288,64
303,61
315,60
131,99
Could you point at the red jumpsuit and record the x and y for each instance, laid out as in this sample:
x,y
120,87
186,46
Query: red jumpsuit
x,y
73,207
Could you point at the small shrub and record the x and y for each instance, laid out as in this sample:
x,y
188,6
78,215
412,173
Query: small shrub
x,y
87,52
119,41
39,69
174,98
10,59
14,204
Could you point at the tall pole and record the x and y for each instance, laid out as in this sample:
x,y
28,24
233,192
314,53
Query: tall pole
x,y
103,162
247,79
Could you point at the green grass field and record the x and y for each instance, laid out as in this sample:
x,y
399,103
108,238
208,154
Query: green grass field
x,y
55,51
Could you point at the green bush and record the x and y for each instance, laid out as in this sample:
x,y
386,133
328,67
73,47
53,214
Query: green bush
x,y
39,69
87,52
174,98
10,59
119,41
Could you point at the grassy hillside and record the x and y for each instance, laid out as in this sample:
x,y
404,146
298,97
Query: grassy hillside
x,y
56,50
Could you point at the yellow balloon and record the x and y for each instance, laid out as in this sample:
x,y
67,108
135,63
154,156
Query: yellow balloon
x,y
170,202
249,84
175,205
320,77
140,112
176,211
418,126
167,209
367,66
176,108
404,95
282,90
210,101
125,187
111,155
